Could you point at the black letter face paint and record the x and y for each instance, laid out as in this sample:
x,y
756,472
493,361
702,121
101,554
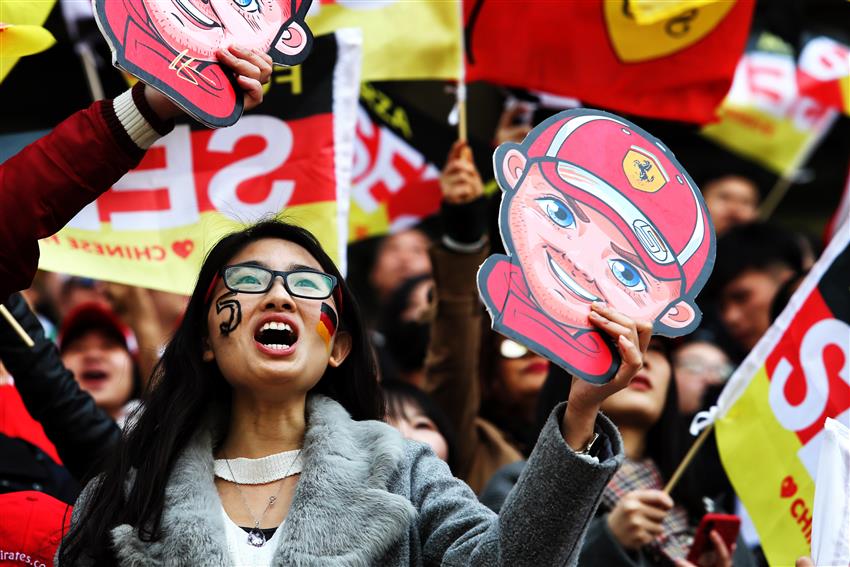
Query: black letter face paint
x,y
228,301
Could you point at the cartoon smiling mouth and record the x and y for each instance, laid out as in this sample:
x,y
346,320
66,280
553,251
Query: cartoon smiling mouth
x,y
569,283
188,9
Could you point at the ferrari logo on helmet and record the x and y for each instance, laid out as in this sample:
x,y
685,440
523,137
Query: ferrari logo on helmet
x,y
643,171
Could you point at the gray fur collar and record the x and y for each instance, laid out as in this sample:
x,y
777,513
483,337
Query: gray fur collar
x,y
341,514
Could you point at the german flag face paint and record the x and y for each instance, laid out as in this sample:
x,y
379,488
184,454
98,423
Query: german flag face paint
x,y
327,324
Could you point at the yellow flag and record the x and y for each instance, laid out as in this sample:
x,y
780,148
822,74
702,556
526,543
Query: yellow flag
x,y
772,410
765,117
21,32
402,39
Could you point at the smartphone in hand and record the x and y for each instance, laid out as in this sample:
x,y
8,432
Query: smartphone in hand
x,y
727,525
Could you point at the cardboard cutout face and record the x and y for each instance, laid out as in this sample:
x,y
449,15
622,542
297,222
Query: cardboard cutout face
x,y
171,45
594,209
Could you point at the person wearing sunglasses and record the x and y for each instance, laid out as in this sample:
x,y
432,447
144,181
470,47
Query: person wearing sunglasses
x,y
699,365
261,441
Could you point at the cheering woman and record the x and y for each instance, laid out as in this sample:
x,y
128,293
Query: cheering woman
x,y
260,441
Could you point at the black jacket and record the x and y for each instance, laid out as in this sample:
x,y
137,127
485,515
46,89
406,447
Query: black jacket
x,y
82,433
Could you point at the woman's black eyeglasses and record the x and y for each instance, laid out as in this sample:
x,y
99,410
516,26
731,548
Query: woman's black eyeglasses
x,y
304,283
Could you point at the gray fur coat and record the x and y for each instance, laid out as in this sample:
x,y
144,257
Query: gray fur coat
x,y
368,497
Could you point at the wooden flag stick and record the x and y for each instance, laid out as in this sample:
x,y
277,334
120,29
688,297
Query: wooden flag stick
x,y
461,79
17,326
461,119
671,484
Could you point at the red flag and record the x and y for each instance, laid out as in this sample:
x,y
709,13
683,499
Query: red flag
x,y
676,69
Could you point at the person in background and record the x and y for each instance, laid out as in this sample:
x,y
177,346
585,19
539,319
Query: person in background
x,y
452,375
399,256
512,377
101,352
419,418
96,347
52,179
404,327
698,365
638,524
731,200
753,262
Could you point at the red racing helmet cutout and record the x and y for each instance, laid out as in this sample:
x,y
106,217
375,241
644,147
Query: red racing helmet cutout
x,y
595,209
171,45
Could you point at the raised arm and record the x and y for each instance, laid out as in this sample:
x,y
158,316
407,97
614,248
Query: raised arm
x,y
82,433
51,180
452,361
544,518
547,514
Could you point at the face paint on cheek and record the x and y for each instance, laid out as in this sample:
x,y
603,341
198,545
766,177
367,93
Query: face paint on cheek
x,y
234,308
326,327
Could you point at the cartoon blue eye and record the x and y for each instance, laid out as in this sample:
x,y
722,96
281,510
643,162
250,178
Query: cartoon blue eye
x,y
627,275
558,211
247,5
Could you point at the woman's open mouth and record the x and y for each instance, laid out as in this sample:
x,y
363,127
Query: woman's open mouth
x,y
276,337
569,283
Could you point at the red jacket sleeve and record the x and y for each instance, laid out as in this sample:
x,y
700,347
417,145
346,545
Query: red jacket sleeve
x,y
49,181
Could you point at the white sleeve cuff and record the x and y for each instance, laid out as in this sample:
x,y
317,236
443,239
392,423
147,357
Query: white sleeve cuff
x,y
139,129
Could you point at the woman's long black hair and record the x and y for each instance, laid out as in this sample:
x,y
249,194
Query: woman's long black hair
x,y
184,389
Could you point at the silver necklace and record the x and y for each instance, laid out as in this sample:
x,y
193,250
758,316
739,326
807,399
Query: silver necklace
x,y
256,537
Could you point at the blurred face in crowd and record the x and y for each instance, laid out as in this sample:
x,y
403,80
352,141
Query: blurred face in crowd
x,y
521,371
76,292
731,200
102,367
641,404
745,303
413,424
400,256
698,365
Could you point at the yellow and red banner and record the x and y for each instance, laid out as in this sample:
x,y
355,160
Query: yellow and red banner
x,y
772,411
766,116
825,72
402,39
290,158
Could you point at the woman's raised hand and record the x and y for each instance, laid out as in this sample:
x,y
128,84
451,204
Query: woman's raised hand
x,y
459,181
632,340
252,69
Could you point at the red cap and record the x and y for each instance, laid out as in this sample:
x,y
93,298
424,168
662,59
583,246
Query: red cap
x,y
89,316
615,167
31,527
